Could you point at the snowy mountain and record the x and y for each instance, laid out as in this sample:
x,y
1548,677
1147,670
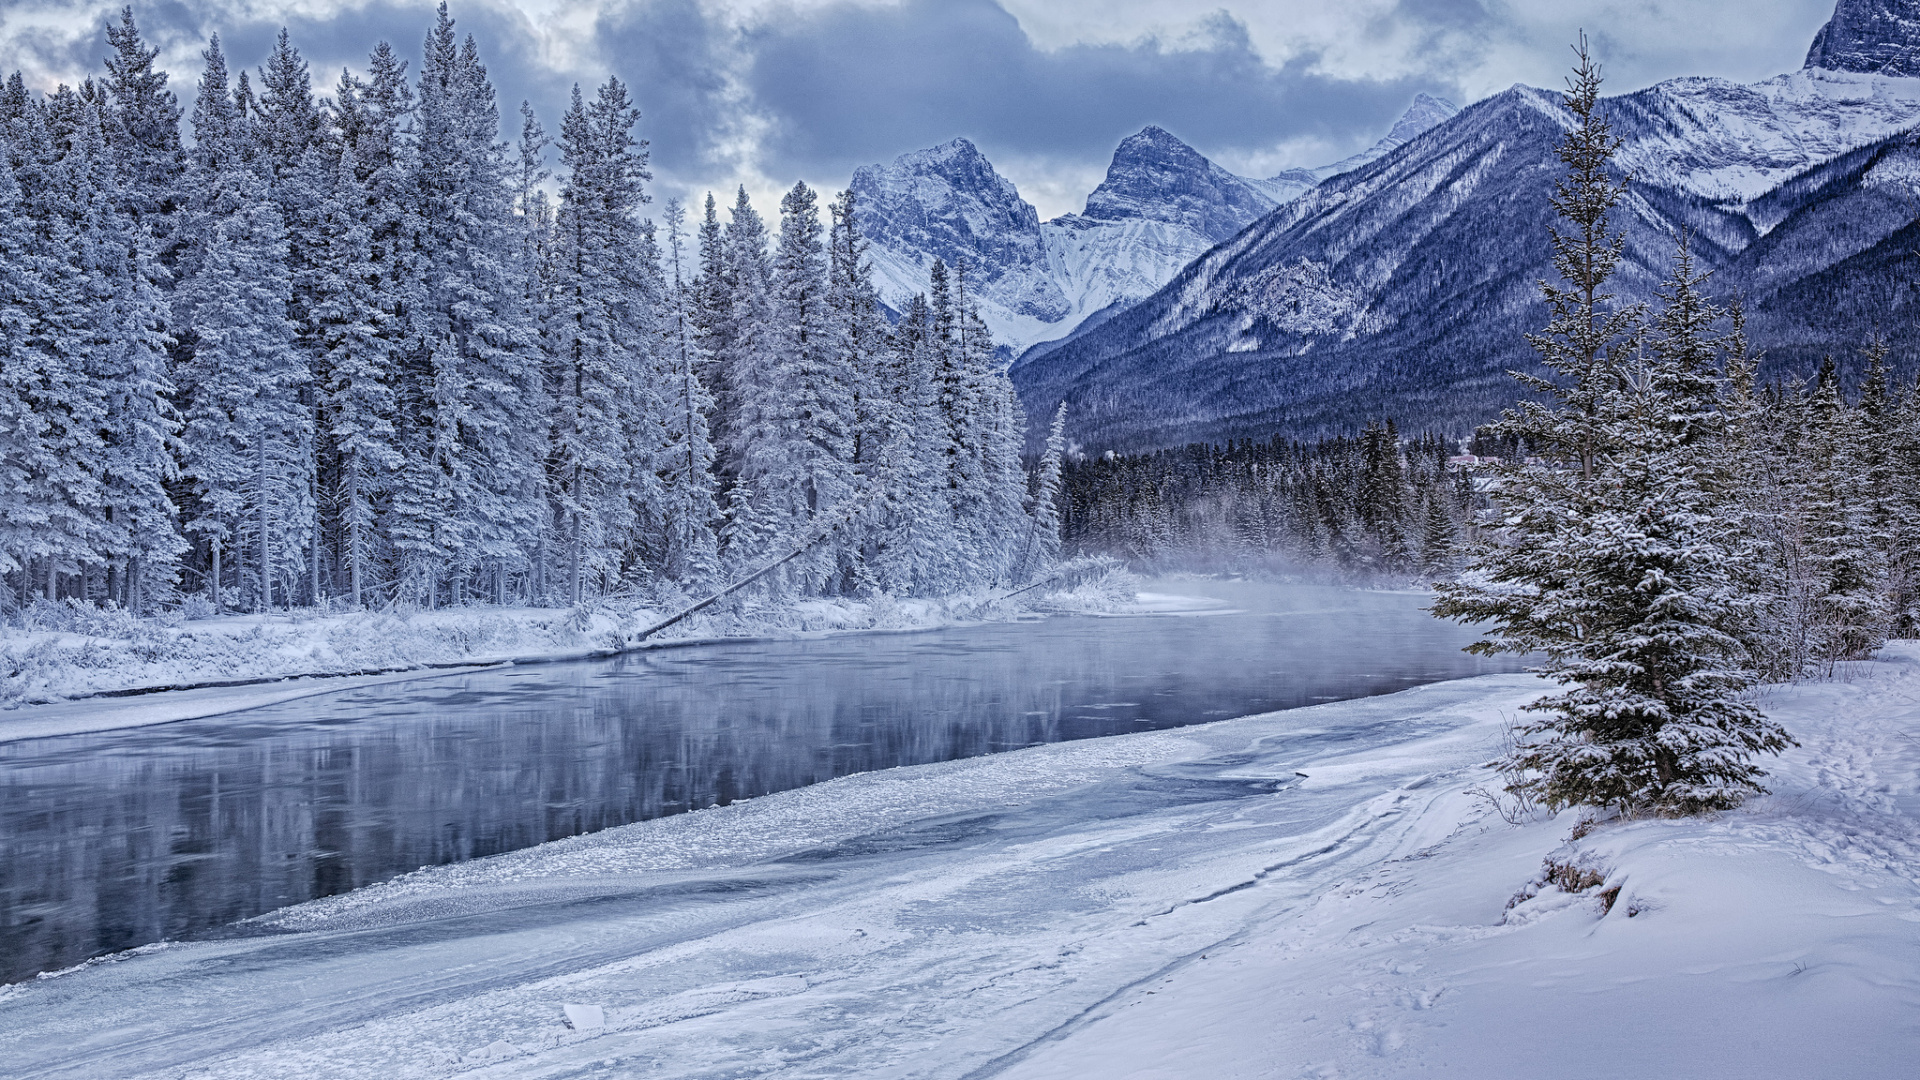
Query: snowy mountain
x,y
1872,36
1161,205
947,203
1405,287
1425,113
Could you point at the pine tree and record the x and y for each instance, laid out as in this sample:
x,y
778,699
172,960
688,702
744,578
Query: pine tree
x,y
802,457
356,394
466,500
1614,562
126,358
602,326
1043,544
247,436
687,476
143,130
68,403
1849,607
28,466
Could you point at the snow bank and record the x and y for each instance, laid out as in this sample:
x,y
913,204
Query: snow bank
x,y
115,664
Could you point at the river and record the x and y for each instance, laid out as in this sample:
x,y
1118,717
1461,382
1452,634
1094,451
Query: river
x,y
113,840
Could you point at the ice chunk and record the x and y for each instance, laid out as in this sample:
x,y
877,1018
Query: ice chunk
x,y
586,1017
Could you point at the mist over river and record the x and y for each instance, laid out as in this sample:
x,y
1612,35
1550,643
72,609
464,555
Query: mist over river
x,y
113,840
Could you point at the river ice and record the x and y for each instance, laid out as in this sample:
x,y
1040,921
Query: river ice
x,y
1305,893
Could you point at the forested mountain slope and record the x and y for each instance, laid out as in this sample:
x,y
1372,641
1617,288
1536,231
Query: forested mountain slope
x,y
1406,287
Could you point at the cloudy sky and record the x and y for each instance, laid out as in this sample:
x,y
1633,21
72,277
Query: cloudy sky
x,y
764,92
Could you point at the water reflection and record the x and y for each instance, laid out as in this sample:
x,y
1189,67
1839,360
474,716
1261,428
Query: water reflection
x,y
113,840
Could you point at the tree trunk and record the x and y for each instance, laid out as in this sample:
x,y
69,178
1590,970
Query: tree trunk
x,y
573,572
353,528
264,597
315,556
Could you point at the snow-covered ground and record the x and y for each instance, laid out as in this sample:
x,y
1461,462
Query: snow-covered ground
x,y
54,671
1308,893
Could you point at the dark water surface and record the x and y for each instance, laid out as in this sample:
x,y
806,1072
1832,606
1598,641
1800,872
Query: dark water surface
x,y
113,840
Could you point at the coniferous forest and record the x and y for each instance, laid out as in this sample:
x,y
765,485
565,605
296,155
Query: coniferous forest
x,y
352,348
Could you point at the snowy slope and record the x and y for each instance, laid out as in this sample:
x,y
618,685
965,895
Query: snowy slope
x,y
1308,893
1160,206
1733,143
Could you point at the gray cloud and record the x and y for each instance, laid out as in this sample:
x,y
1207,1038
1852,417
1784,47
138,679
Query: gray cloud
x,y
763,91
856,83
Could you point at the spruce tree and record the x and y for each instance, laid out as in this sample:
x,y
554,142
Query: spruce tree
x,y
1613,560
355,393
247,429
28,465
687,472
602,327
1043,532
127,359
144,131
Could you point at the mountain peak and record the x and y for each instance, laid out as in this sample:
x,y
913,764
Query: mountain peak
x,y
1877,37
1426,112
1154,176
947,202
1154,143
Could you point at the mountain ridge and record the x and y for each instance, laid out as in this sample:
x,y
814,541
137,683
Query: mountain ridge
x,y
1160,204
1406,286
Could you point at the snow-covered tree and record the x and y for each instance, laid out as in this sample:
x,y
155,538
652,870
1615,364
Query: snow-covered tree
x,y
1043,531
601,334
355,373
1612,558
686,463
796,419
466,499
143,130
126,359
247,429
29,489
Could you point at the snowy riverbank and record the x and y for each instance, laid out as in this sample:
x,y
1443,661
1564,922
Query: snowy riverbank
x,y
1305,893
78,669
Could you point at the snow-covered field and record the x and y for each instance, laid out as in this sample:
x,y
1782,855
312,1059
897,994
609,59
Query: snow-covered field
x,y
1307,893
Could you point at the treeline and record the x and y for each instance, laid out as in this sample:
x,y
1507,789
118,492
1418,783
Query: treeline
x,y
349,349
1372,506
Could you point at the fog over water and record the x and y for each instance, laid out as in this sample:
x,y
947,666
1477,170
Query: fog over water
x,y
118,839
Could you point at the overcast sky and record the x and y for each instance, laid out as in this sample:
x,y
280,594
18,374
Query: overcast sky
x,y
764,92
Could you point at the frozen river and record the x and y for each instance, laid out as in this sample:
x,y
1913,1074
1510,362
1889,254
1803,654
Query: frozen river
x,y
115,840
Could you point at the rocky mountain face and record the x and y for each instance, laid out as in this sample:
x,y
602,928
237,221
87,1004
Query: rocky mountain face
x,y
1405,287
1161,205
1871,37
948,203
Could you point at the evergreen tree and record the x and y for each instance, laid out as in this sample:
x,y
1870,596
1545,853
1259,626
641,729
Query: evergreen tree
x,y
247,436
1849,610
687,476
29,468
356,393
741,331
602,329
471,401
126,358
1043,545
1613,561
144,132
